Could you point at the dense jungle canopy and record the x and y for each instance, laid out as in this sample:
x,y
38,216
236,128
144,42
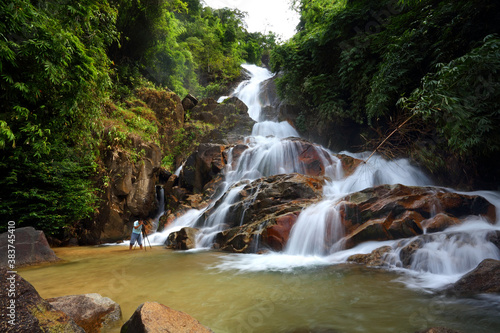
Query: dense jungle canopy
x,y
371,63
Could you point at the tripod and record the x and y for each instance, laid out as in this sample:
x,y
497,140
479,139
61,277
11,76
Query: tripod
x,y
145,237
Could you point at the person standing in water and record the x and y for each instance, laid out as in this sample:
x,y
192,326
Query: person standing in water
x,y
136,234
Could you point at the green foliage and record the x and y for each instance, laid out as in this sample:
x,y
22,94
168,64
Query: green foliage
x,y
48,193
61,61
463,99
54,75
183,45
356,59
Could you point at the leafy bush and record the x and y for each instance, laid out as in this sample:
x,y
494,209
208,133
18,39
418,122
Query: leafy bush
x,y
463,99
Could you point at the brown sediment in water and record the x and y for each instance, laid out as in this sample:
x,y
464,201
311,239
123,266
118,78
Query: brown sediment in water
x,y
347,298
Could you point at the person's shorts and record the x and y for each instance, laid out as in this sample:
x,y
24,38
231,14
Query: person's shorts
x,y
136,237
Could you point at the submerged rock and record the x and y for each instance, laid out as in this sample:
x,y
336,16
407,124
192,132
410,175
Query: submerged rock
x,y
92,312
31,247
438,330
155,317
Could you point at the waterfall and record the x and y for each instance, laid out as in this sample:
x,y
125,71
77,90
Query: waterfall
x,y
248,91
160,198
317,236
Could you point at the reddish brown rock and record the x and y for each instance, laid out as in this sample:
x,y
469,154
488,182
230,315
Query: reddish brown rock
x,y
236,152
439,222
276,236
315,158
396,211
152,317
277,194
202,166
349,164
264,212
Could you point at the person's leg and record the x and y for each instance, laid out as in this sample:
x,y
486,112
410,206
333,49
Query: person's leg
x,y
133,239
139,241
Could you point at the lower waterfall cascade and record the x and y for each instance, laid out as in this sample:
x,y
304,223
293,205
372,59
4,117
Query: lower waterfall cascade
x,y
444,257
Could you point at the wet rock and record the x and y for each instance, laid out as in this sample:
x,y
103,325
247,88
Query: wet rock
x,y
264,211
171,182
31,247
494,237
276,235
485,278
407,252
396,211
439,222
270,195
184,239
374,259
92,312
30,312
155,317
315,158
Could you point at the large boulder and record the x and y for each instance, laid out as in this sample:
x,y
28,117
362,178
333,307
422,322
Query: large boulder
x,y
397,211
315,159
204,111
202,166
92,312
263,212
189,102
485,278
153,317
184,239
31,247
27,311
231,120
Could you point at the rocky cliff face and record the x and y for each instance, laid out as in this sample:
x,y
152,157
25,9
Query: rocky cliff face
x,y
131,174
130,191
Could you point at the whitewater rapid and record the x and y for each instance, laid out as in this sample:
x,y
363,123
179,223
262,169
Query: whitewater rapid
x,y
442,260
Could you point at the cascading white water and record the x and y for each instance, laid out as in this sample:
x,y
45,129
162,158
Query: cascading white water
x,y
316,237
160,196
248,91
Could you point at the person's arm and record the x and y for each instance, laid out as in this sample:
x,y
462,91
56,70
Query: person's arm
x,y
138,225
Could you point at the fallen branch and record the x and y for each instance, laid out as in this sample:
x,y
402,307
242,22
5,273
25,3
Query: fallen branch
x,y
387,138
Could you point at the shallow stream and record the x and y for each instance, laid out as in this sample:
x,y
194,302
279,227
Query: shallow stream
x,y
211,287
